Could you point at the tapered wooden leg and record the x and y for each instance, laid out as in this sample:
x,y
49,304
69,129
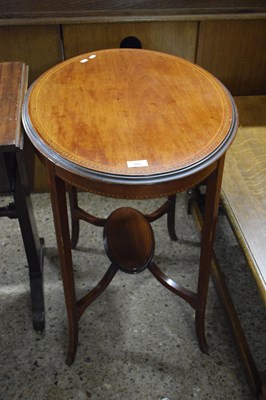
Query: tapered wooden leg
x,y
171,217
73,202
59,205
213,189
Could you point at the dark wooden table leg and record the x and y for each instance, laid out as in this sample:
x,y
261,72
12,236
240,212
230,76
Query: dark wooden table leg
x,y
73,203
34,246
59,205
171,217
213,189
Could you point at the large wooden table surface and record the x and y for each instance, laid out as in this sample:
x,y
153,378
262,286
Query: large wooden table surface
x,y
244,185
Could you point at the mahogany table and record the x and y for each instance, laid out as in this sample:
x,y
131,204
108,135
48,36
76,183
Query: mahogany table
x,y
132,124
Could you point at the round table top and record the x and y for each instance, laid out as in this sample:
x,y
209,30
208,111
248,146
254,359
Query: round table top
x,y
129,115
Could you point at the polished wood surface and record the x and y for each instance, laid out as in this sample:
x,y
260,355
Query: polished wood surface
x,y
129,244
13,84
244,193
110,100
128,240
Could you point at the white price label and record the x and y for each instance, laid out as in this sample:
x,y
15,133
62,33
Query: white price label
x,y
137,163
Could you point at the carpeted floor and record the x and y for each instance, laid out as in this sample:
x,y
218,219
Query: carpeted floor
x,y
137,341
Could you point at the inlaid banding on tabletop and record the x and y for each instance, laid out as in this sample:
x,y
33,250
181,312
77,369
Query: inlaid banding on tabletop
x,y
140,106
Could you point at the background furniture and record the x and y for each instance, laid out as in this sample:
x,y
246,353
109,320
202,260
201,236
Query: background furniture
x,y
244,192
15,155
243,200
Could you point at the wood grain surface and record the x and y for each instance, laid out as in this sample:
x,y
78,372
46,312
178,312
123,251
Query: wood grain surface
x,y
234,52
13,84
178,38
37,46
29,9
102,110
244,183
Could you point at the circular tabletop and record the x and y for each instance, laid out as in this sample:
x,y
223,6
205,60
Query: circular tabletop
x,y
128,115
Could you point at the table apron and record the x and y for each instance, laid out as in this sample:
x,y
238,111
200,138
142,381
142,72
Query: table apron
x,y
134,191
